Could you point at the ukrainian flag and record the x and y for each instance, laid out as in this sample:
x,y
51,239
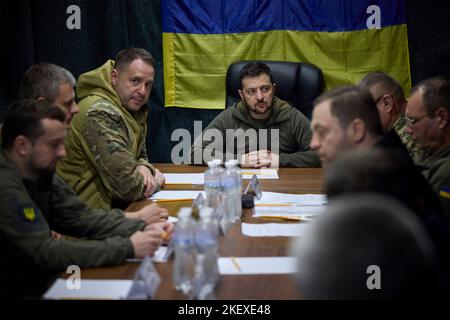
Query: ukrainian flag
x,y
345,38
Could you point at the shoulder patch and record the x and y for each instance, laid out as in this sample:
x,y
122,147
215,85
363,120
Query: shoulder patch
x,y
29,213
445,192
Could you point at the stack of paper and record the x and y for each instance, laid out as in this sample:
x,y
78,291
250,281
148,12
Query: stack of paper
x,y
261,174
259,265
184,178
176,195
90,289
273,229
275,198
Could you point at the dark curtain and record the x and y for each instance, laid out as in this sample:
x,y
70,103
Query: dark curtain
x,y
35,31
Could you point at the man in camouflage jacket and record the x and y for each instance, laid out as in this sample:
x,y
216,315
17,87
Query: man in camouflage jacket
x,y
106,161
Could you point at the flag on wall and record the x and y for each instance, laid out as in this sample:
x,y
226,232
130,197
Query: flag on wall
x,y
344,38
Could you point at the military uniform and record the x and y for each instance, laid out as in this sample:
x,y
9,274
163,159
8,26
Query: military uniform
x,y
399,126
436,169
104,145
294,134
29,256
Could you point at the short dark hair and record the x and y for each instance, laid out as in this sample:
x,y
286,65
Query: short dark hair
x,y
350,103
24,117
436,94
255,69
43,80
388,84
128,55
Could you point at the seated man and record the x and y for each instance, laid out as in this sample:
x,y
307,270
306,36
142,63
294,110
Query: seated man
x,y
106,161
260,130
386,172
52,84
391,103
35,201
366,247
347,118
428,122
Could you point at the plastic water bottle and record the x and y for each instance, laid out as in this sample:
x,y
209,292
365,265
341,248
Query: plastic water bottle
x,y
206,240
235,192
185,253
229,185
213,186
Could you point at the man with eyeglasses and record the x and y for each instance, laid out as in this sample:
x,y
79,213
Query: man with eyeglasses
x,y
428,122
391,104
259,111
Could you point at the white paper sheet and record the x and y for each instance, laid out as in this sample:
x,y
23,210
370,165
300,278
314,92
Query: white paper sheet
x,y
184,178
259,265
290,198
304,213
262,174
177,194
274,229
90,289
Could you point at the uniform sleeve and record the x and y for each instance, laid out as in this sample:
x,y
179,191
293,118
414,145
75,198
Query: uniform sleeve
x,y
440,180
205,148
24,229
304,157
72,217
108,142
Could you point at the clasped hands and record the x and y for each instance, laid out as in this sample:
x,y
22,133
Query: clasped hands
x,y
260,159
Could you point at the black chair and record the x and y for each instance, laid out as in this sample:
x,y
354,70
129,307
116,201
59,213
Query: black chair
x,y
296,82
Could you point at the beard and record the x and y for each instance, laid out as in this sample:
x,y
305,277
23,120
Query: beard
x,y
255,109
44,176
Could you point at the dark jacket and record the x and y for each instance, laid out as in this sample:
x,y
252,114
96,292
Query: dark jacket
x,y
29,256
294,135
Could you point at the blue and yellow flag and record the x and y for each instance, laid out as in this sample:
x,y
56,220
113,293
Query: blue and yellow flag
x,y
345,38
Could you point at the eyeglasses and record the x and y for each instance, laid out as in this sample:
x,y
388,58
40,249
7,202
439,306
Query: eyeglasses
x,y
412,121
384,95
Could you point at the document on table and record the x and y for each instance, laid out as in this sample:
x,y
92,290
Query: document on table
x,y
90,289
176,194
276,198
260,173
274,229
259,265
288,211
184,178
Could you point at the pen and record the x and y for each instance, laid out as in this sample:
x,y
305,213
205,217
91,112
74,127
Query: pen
x,y
236,264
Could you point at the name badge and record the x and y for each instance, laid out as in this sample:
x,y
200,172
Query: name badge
x,y
145,282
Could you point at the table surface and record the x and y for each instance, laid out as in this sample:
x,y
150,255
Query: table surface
x,y
266,287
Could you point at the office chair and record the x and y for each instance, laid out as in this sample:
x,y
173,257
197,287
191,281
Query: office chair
x,y
296,82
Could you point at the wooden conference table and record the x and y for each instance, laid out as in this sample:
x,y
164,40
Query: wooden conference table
x,y
291,180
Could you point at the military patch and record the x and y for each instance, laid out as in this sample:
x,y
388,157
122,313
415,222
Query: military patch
x,y
445,192
29,213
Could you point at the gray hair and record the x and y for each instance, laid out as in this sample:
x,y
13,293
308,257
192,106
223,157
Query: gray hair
x,y
43,80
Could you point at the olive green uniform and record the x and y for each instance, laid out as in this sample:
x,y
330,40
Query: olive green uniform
x,y
294,134
436,169
105,144
29,256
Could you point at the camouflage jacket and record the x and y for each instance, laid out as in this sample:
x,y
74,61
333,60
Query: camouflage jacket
x,y
29,256
104,145
399,127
